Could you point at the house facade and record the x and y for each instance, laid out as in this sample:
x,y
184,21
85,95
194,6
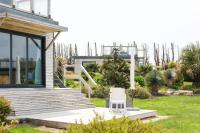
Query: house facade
x,y
27,35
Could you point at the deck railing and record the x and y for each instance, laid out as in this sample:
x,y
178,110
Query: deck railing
x,y
39,7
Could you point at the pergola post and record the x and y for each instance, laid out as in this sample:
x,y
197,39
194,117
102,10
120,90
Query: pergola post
x,y
132,72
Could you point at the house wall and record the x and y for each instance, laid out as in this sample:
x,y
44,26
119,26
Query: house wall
x,y
49,62
79,62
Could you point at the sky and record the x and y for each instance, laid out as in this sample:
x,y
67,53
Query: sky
x,y
125,21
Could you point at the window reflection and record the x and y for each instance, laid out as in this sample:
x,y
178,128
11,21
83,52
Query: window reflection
x,y
19,59
4,58
34,61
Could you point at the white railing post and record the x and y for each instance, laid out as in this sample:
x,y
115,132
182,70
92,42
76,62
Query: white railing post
x,y
13,3
64,72
32,6
49,8
89,92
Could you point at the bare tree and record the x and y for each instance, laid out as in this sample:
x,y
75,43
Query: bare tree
x,y
167,55
163,56
96,52
88,49
76,50
172,50
156,55
70,54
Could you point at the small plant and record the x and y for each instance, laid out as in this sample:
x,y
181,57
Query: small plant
x,y
122,125
143,69
186,87
141,92
100,91
92,67
169,76
72,84
140,80
5,109
4,128
154,81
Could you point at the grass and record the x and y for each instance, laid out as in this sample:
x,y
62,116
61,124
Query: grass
x,y
187,83
185,112
25,129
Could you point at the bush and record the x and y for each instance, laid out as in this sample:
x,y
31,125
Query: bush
x,y
142,93
171,65
196,91
154,81
169,76
5,109
4,128
92,67
122,125
100,91
186,87
98,77
116,71
143,70
140,80
72,84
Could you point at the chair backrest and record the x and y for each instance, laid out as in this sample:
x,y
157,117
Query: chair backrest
x,y
117,94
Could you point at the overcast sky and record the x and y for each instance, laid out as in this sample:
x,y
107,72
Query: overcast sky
x,y
123,21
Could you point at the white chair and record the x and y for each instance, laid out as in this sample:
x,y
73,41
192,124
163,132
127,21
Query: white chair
x,y
117,99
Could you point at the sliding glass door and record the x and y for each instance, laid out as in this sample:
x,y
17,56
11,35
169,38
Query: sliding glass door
x,y
4,58
21,60
34,61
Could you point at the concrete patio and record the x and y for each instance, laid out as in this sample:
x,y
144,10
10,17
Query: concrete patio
x,y
62,119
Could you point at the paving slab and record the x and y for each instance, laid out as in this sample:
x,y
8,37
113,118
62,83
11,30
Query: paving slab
x,y
62,119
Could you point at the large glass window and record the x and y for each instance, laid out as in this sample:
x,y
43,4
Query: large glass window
x,y
4,58
34,61
19,56
20,60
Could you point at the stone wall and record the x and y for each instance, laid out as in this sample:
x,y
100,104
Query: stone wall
x,y
49,62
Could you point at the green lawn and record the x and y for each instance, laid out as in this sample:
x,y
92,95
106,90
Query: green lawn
x,y
185,112
25,129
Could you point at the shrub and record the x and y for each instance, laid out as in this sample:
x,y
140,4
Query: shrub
x,y
4,128
116,71
100,91
140,80
171,65
186,87
190,62
174,86
154,81
72,84
98,77
92,67
142,93
169,76
5,109
196,91
122,125
143,69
